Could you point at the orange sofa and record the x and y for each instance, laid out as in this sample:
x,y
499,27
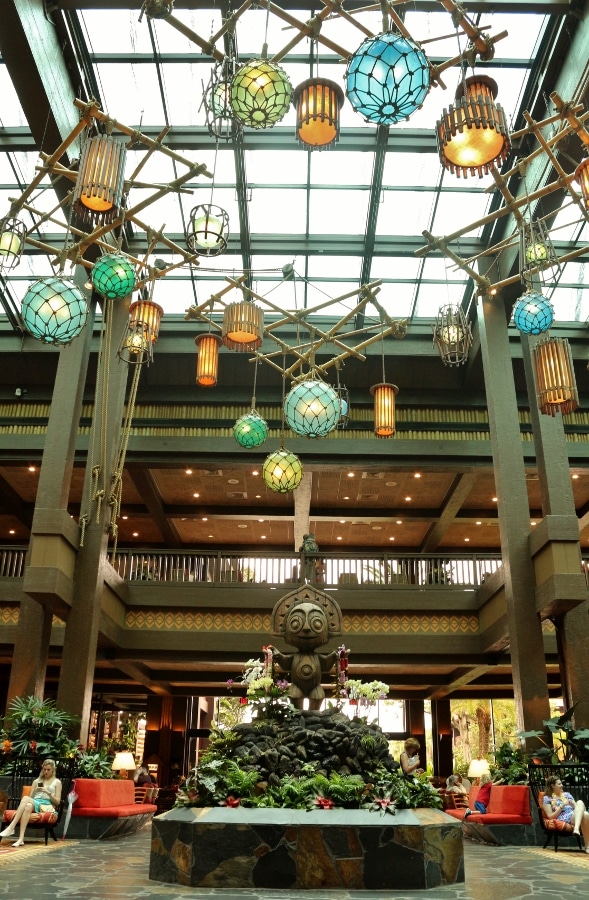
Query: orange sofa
x,y
509,820
107,808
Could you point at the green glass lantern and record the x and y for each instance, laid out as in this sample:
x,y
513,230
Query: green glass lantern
x,y
54,310
260,94
282,471
312,408
251,430
537,252
113,276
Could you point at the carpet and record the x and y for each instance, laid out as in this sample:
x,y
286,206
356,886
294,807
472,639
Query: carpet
x,y
569,857
10,854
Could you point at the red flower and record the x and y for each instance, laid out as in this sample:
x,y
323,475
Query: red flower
x,y
33,746
231,801
324,803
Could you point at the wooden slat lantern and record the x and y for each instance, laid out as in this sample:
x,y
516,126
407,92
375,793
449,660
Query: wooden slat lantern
x,y
473,135
318,103
243,326
207,366
582,176
101,177
384,408
142,332
555,376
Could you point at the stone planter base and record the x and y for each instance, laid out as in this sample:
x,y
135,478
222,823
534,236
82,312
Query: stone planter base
x,y
292,849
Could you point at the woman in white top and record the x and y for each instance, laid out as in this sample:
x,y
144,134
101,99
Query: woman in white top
x,y
45,794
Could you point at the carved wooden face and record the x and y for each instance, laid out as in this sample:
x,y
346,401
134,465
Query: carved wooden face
x,y
306,626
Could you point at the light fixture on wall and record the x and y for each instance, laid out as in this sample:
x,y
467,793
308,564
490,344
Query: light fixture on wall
x,y
318,103
100,180
555,376
207,365
54,310
452,335
243,326
12,241
387,78
473,135
312,407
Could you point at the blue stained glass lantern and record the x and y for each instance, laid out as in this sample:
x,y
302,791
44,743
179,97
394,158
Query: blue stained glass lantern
x,y
113,276
533,313
312,408
282,471
387,78
54,310
251,430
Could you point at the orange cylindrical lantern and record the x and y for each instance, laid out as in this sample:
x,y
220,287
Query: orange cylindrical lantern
x,y
318,103
100,180
243,326
555,376
207,366
582,176
142,332
384,408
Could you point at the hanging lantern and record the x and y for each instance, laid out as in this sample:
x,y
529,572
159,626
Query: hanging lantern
x,y
141,333
473,135
344,400
582,176
208,230
384,408
555,376
533,313
312,408
157,9
54,310
221,121
536,253
282,471
387,78
452,335
318,103
260,94
101,178
251,430
113,276
207,366
12,241
243,326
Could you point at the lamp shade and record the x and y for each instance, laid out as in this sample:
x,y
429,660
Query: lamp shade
x,y
312,408
243,326
208,230
555,376
533,313
452,335
207,364
101,177
478,767
141,333
318,103
124,761
582,176
250,430
384,408
113,276
260,94
12,241
473,135
387,78
282,471
54,310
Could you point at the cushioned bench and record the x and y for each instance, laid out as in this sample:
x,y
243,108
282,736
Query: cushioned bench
x,y
508,820
107,807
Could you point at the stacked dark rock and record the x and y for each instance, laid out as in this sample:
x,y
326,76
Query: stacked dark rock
x,y
329,739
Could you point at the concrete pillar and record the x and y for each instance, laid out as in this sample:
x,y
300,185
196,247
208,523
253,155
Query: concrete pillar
x,y
302,509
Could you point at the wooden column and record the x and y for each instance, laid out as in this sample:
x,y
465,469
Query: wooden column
x,y
442,738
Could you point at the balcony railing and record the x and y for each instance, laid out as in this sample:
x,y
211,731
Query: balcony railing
x,y
12,562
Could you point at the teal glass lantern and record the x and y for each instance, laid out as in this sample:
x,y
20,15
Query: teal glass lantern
x,y
251,430
54,310
282,471
260,94
113,276
312,408
533,313
387,78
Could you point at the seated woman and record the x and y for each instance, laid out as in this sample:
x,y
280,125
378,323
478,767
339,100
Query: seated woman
x,y
409,758
454,786
45,793
559,804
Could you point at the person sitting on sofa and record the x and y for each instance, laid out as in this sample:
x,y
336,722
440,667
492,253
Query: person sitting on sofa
x,y
454,785
559,804
484,795
45,796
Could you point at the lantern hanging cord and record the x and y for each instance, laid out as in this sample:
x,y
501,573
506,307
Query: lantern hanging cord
x,y
256,364
265,44
116,489
382,347
214,170
283,414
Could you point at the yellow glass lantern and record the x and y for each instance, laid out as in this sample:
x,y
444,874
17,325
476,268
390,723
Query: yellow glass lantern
x,y
473,135
243,326
207,367
384,408
141,333
101,177
318,103
555,376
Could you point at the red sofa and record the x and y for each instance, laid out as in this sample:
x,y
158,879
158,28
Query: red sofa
x,y
509,805
107,808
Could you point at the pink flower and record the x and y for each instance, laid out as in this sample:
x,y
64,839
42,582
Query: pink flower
x,y
324,803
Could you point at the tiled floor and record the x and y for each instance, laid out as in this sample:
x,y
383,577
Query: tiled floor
x,y
108,870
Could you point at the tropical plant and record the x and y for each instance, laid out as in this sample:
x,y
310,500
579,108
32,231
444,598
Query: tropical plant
x,y
569,744
369,691
94,764
34,727
510,765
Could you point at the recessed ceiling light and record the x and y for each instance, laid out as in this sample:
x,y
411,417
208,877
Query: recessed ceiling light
x,y
399,522
417,475
204,519
189,471
31,468
263,537
391,539
342,521
467,540
196,495
351,474
135,534
494,499
258,496
12,531
575,476
242,526
532,523
255,472
391,484
478,523
211,535
377,528
233,481
260,520
346,498
125,517
339,538
407,499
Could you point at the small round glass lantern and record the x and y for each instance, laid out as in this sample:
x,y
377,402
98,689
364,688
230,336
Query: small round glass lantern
x,y
208,230
533,313
12,241
251,430
387,78
282,471
536,253
312,408
260,94
113,276
54,310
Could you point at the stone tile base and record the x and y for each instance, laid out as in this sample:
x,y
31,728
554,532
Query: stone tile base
x,y
293,849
